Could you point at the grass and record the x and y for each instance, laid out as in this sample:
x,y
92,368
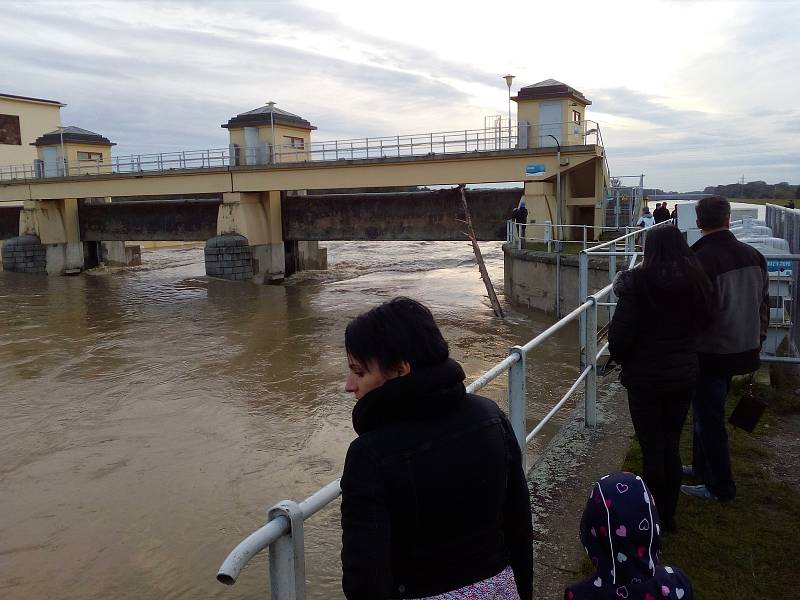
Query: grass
x,y
747,548
570,248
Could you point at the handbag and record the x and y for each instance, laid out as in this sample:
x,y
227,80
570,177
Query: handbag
x,y
748,410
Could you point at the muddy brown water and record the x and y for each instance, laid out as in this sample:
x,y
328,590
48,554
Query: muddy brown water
x,y
149,416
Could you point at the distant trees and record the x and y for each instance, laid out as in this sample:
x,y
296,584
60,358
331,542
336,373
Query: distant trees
x,y
756,189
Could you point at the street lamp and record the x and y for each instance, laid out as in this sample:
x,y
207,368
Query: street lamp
x,y
271,105
558,181
509,79
558,225
63,154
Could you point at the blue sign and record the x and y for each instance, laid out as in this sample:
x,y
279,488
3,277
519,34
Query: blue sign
x,y
535,169
779,265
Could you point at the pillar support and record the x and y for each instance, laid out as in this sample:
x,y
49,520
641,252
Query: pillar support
x,y
55,224
256,216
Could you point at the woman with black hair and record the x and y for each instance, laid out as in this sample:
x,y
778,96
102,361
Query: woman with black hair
x,y
434,498
662,307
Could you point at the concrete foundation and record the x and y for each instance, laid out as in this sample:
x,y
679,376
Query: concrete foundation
x,y
229,257
24,254
117,254
63,258
269,262
530,279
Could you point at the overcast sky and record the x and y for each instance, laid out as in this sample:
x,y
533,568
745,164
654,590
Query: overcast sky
x,y
690,93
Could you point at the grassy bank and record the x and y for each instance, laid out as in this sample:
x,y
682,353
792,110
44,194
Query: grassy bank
x,y
748,548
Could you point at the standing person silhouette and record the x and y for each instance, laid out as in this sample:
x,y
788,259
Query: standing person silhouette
x,y
434,499
663,306
731,346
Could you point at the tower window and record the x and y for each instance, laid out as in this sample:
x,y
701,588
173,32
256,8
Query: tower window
x,y
94,156
9,130
576,116
293,142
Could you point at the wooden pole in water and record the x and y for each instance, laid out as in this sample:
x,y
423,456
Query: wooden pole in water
x,y
498,310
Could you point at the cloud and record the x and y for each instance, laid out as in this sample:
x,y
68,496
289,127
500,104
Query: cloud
x,y
163,75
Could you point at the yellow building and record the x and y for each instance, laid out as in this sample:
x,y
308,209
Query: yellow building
x,y
551,114
22,120
73,151
268,135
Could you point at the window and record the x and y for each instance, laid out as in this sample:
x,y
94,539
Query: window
x,y
576,116
293,142
9,130
93,156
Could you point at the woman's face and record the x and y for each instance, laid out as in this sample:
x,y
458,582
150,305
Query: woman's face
x,y
363,378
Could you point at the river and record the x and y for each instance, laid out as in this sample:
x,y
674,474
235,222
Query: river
x,y
149,416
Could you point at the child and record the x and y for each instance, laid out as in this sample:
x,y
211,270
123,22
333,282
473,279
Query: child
x,y
620,531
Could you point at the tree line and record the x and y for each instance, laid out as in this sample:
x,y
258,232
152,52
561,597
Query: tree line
x,y
756,189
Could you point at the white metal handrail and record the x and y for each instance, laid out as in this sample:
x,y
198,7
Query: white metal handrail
x,y
265,154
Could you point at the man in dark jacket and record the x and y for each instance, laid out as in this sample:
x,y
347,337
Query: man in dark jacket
x,y
520,216
661,214
731,346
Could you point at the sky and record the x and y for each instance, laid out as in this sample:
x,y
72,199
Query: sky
x,y
689,93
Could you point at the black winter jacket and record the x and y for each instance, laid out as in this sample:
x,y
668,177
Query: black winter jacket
x,y
434,497
732,344
653,335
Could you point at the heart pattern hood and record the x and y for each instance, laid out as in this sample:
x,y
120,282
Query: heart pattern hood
x,y
621,533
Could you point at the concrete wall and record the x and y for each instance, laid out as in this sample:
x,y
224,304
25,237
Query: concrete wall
x,y
284,154
530,279
181,220
398,216
528,110
35,119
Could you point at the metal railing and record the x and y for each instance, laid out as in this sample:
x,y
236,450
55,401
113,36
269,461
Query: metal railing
x,y
547,233
283,533
488,139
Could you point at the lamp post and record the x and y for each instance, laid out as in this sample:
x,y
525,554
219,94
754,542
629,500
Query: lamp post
x,y
271,105
63,154
509,79
558,225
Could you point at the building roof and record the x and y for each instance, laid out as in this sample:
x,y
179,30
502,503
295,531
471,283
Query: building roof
x,y
267,114
550,88
73,135
29,99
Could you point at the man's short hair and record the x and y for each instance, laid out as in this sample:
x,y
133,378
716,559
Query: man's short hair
x,y
713,212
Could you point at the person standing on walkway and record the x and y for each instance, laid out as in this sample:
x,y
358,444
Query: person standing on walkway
x,y
621,534
520,216
646,220
731,346
654,335
434,498
661,213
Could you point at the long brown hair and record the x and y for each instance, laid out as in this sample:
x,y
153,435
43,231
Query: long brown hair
x,y
667,253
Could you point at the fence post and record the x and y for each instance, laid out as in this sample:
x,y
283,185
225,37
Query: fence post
x,y
590,393
287,573
517,401
612,273
583,293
